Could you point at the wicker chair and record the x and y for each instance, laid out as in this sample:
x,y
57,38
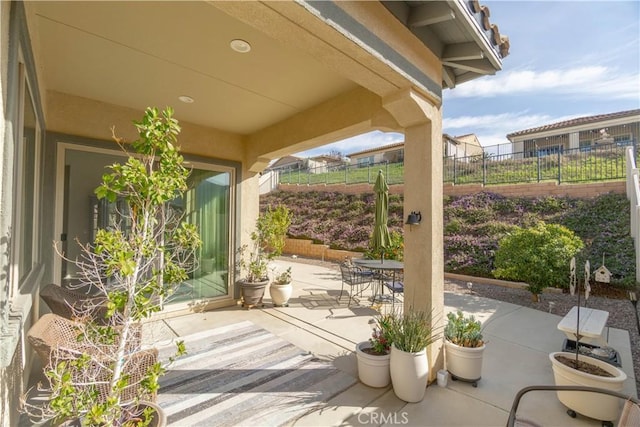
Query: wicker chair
x,y
56,339
73,304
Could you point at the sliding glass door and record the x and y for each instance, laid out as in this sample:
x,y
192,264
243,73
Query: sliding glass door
x,y
207,203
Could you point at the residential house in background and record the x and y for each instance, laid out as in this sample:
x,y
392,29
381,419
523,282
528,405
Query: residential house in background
x,y
392,153
584,133
316,164
461,146
250,82
453,146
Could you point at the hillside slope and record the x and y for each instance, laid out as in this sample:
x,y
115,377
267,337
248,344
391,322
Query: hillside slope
x,y
473,225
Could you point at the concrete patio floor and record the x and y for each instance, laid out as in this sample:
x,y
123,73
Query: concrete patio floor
x,y
519,341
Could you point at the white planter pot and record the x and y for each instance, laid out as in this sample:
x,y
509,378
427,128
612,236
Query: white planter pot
x,y
280,294
373,370
409,374
593,405
465,363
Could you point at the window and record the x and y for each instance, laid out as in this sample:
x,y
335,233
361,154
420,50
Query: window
x,y
585,146
623,140
547,151
27,183
365,161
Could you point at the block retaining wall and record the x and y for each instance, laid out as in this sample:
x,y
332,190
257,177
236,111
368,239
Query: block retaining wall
x,y
308,249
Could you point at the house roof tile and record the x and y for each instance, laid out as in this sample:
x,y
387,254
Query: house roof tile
x,y
371,150
576,122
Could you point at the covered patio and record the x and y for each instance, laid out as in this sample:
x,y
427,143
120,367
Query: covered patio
x,y
519,340
250,82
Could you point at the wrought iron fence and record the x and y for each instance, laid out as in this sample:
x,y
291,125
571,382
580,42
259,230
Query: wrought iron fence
x,y
594,163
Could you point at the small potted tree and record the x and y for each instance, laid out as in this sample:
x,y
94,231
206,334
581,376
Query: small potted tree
x,y
254,263
373,356
464,347
267,242
101,376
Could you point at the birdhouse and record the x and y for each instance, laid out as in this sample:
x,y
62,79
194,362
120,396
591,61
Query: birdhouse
x,y
602,274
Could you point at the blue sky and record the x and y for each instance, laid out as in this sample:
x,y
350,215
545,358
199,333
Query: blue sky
x,y
567,59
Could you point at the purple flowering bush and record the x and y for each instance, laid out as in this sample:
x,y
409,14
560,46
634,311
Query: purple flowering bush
x,y
473,226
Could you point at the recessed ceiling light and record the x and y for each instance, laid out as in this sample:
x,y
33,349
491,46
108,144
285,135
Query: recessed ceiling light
x,y
240,46
186,99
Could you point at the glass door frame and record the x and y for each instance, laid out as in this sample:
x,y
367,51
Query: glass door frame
x,y
61,149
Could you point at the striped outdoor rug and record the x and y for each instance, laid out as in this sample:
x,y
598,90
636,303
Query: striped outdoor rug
x,y
243,375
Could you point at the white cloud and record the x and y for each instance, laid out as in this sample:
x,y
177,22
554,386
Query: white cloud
x,y
588,81
492,129
356,143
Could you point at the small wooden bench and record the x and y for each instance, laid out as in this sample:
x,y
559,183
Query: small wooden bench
x,y
592,324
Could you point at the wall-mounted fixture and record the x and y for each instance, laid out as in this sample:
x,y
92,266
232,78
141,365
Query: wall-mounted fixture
x,y
414,218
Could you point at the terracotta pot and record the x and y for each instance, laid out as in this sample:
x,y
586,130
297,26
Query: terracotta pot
x,y
280,294
252,292
409,374
593,405
373,369
464,363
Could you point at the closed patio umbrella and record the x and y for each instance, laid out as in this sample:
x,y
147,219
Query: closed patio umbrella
x,y
381,238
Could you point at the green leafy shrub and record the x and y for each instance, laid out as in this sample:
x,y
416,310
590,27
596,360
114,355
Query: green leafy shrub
x,y
453,226
394,251
538,255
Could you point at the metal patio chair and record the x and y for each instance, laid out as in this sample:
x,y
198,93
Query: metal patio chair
x,y
395,284
629,415
353,276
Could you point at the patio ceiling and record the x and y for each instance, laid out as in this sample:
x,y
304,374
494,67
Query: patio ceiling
x,y
136,54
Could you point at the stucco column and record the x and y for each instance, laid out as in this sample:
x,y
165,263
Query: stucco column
x,y
423,244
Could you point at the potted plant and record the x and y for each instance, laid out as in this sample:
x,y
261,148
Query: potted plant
x,y
267,242
97,377
281,288
583,370
464,347
373,356
411,334
255,264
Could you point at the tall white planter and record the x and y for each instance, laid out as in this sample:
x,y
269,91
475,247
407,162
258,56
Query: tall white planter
x,y
464,363
594,405
409,374
373,369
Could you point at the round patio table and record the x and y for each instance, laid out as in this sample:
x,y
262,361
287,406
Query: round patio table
x,y
387,265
